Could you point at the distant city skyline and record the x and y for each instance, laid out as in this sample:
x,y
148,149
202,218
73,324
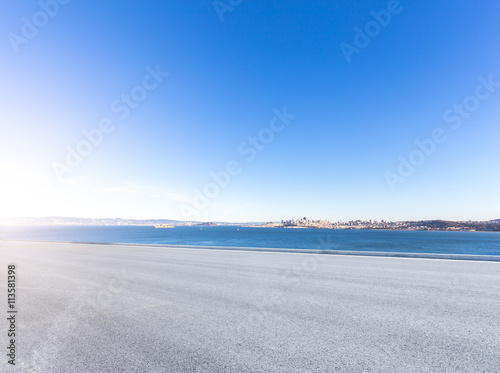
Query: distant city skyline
x,y
317,223
385,110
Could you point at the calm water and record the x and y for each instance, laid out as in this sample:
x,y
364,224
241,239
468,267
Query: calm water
x,y
479,243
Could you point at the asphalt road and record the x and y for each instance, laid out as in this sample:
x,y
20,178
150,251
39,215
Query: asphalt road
x,y
112,308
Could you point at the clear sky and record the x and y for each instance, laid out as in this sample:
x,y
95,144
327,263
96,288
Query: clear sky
x,y
313,108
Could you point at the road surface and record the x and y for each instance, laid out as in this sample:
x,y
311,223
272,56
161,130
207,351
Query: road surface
x,y
126,308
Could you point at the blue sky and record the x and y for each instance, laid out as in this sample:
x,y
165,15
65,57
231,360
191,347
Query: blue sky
x,y
355,119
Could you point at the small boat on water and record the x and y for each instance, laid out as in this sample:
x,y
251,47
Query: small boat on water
x,y
164,226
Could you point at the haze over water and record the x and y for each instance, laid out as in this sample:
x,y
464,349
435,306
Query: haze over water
x,y
474,243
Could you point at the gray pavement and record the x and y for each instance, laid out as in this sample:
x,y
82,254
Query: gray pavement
x,y
126,308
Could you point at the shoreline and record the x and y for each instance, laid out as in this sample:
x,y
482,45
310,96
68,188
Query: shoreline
x,y
383,254
238,225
